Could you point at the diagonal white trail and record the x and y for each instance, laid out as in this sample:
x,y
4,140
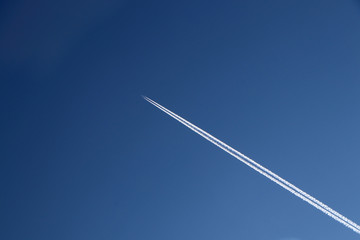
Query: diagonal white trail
x,y
187,123
262,170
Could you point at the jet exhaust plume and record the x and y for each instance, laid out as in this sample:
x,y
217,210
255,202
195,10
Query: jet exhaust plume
x,y
262,170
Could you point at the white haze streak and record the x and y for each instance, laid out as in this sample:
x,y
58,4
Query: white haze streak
x,y
262,170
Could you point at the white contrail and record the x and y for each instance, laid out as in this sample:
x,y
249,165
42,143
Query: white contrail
x,y
188,124
262,170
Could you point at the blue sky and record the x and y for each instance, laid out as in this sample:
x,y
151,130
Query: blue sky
x,y
83,156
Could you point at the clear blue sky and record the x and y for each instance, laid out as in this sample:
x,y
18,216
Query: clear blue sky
x,y
83,156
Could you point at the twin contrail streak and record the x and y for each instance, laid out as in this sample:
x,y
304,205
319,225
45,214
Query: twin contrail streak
x,y
262,170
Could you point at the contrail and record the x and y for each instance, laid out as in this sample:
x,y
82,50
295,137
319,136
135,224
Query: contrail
x,y
191,126
262,170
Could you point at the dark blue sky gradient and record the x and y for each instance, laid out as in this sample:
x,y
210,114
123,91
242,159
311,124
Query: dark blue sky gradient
x,y
83,156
